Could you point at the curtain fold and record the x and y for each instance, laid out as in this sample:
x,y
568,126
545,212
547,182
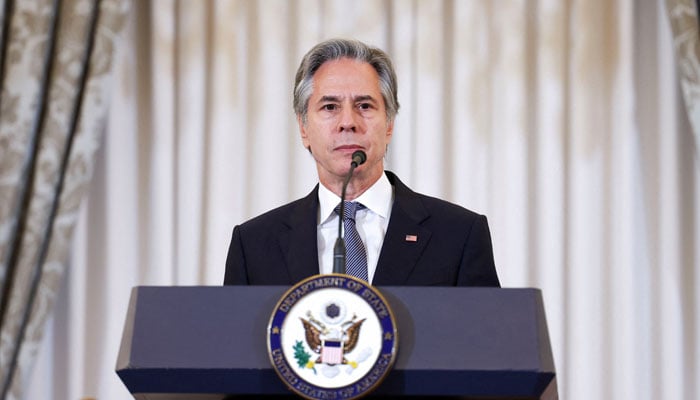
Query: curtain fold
x,y
55,76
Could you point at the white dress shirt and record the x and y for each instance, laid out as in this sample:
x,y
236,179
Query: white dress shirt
x,y
371,223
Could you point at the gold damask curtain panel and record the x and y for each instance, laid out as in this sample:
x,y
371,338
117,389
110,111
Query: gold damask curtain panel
x,y
55,63
683,16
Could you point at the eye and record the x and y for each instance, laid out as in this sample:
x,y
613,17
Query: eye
x,y
364,106
329,107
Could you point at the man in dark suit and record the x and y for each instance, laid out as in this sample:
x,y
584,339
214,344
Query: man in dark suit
x,y
345,99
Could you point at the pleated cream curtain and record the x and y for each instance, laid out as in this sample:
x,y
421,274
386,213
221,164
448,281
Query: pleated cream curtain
x,y
562,121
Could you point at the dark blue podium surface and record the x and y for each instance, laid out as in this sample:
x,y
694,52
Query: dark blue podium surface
x,y
210,342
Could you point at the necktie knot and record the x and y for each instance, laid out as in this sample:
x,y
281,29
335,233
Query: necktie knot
x,y
351,208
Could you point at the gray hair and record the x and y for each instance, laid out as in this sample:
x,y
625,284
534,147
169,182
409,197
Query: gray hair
x,y
335,49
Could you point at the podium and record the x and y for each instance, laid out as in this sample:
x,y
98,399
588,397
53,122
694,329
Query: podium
x,y
206,342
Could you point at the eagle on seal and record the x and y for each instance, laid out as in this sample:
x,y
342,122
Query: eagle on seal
x,y
314,330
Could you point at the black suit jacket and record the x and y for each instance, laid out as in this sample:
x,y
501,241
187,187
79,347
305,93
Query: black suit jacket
x,y
453,246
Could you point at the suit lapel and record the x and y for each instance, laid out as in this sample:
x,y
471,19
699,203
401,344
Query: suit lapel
x,y
405,238
299,242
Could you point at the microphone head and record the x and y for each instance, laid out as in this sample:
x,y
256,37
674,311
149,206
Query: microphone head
x,y
359,157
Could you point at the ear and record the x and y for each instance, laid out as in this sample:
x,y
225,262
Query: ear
x,y
302,132
389,131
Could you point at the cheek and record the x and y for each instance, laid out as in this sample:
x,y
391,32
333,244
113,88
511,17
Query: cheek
x,y
315,140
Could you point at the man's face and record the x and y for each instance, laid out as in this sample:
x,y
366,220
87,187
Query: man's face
x,y
346,113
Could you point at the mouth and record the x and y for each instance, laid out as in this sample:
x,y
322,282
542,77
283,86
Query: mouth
x,y
349,148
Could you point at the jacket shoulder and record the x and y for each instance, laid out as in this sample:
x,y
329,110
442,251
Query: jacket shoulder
x,y
286,214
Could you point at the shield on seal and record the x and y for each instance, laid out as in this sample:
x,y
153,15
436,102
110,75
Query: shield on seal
x,y
332,352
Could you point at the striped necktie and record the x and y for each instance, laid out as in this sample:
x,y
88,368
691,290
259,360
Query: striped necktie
x,y
355,254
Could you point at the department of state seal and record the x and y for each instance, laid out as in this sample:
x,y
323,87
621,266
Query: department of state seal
x,y
332,336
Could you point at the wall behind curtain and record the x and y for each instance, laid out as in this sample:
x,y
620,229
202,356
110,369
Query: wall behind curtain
x,y
562,121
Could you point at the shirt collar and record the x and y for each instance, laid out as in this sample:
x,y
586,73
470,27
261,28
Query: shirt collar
x,y
378,199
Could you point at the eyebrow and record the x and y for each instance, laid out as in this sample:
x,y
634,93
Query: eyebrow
x,y
364,98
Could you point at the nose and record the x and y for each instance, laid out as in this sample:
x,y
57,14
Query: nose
x,y
347,122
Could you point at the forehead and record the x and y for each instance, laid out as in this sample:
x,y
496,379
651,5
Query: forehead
x,y
346,76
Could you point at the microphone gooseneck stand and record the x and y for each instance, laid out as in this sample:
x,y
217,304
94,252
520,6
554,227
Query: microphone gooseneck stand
x,y
358,158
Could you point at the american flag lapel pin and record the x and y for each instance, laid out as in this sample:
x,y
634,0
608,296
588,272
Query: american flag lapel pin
x,y
411,238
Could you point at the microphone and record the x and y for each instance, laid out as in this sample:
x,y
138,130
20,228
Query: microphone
x,y
358,158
